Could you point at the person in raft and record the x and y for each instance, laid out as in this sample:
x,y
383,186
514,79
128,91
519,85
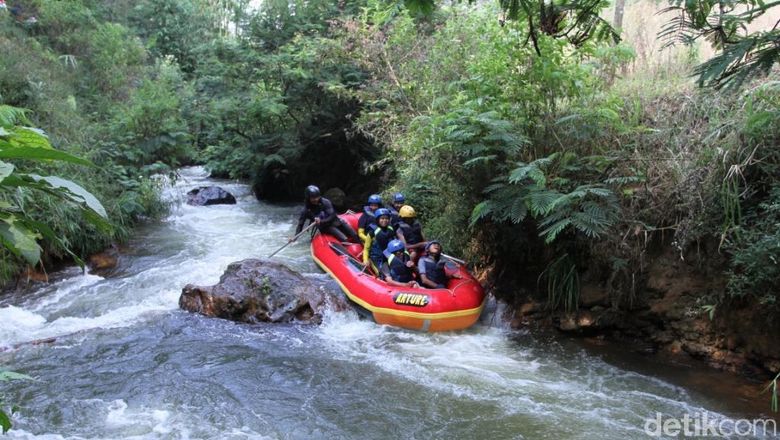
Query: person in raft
x,y
411,229
398,203
400,266
320,210
374,203
377,238
431,267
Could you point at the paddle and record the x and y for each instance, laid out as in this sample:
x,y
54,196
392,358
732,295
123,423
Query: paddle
x,y
293,239
450,257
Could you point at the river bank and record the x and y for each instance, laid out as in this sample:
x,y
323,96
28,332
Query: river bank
x,y
668,317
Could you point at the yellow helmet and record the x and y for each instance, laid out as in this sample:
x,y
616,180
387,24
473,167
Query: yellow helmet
x,y
407,211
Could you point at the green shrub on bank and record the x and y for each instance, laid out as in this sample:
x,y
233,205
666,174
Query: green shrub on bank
x,y
79,77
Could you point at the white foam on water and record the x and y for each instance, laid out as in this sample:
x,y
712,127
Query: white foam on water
x,y
484,364
17,323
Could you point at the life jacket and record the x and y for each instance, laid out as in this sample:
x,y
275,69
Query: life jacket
x,y
434,270
379,239
398,270
412,233
366,218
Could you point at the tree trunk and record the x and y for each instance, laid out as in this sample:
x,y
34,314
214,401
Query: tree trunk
x,y
620,6
617,23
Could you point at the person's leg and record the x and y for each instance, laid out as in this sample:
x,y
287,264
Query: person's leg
x,y
349,232
378,264
334,231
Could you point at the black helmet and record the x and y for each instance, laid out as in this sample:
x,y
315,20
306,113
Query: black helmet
x,y
312,191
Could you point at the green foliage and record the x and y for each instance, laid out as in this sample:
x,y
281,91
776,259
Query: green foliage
x,y
77,74
742,55
548,190
151,129
563,284
299,107
5,417
19,232
521,137
574,21
756,262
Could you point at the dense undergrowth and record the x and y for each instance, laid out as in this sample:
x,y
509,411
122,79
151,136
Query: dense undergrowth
x,y
553,171
553,160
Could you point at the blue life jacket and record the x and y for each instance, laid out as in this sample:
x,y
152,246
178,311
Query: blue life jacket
x,y
379,240
366,218
398,270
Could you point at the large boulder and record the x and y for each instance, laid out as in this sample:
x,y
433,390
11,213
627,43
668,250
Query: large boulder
x,y
263,291
210,195
337,196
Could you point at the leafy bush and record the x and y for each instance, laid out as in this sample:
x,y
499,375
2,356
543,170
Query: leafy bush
x,y
19,231
755,264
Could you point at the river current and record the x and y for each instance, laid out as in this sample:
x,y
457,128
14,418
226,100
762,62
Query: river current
x,y
127,363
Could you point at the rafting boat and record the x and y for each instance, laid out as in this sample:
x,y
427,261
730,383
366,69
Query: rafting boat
x,y
454,308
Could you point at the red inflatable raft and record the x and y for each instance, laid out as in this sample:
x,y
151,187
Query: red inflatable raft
x,y
454,308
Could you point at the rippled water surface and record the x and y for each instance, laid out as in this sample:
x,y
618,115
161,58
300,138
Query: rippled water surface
x,y
127,363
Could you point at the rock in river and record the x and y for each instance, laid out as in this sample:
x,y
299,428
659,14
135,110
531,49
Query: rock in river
x,y
210,195
262,291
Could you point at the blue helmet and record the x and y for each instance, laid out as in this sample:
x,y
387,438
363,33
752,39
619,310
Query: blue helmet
x,y
430,243
399,198
381,211
395,246
374,199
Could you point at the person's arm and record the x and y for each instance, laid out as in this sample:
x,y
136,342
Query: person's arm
x,y
393,282
399,234
428,283
301,220
418,246
366,247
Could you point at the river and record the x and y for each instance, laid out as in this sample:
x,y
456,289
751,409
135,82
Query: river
x,y
132,365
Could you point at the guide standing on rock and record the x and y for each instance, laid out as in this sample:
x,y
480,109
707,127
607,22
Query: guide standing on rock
x,y
320,210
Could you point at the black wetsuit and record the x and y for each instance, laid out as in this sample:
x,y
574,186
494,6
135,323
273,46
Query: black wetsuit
x,y
329,221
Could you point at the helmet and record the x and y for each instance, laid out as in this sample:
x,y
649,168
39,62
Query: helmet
x,y
312,191
395,246
380,212
374,199
399,198
407,211
431,243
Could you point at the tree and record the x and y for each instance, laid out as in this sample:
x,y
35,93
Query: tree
x,y
723,23
576,21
